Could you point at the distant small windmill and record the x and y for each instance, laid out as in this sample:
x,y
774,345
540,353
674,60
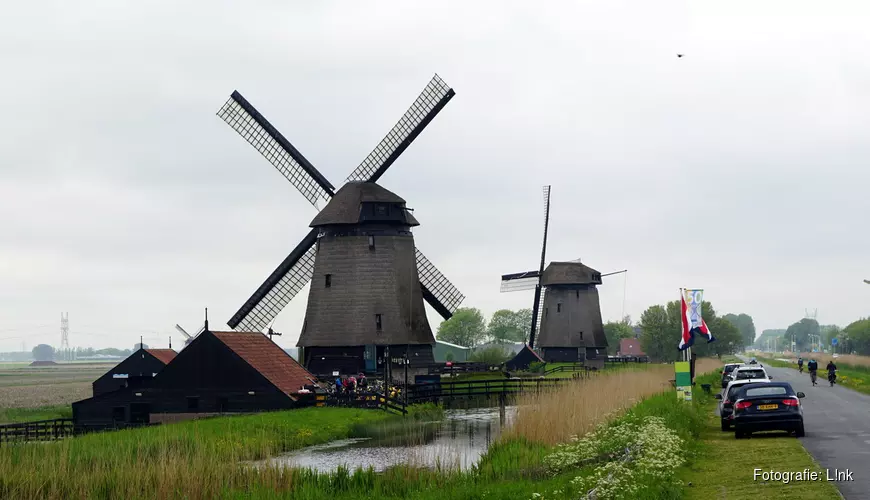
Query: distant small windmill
x,y
565,313
188,338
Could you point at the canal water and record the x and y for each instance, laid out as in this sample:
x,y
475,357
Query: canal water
x,y
458,441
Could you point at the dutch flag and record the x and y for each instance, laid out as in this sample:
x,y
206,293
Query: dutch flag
x,y
688,335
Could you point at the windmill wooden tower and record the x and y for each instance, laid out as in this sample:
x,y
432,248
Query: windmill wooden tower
x,y
566,314
365,308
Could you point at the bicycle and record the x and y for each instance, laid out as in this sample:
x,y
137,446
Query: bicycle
x,y
800,368
813,376
832,377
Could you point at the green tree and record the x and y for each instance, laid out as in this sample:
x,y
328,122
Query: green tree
x,y
616,331
43,352
857,336
492,355
745,325
830,332
801,333
660,338
466,327
766,338
510,326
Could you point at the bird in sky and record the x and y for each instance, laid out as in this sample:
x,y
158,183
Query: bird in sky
x,y
679,55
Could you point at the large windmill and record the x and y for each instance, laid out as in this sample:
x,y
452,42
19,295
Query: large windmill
x,y
368,294
566,314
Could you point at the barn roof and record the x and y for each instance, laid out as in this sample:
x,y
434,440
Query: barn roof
x,y
344,207
570,273
269,359
162,355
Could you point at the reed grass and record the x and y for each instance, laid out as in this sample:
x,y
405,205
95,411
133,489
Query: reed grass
x,y
552,417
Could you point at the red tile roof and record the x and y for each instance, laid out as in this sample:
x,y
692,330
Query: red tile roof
x,y
164,355
630,347
269,359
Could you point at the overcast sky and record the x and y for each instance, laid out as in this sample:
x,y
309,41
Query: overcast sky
x,y
740,168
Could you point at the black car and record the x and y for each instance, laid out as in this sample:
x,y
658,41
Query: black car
x,y
727,398
771,406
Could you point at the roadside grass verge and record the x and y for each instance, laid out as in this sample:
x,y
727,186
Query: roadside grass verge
x,y
723,467
15,415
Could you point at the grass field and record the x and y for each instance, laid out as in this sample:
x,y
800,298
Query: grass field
x,y
13,415
710,479
37,387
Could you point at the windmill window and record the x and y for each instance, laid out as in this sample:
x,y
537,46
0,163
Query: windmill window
x,y
378,323
558,308
328,280
382,210
371,242
578,293
581,335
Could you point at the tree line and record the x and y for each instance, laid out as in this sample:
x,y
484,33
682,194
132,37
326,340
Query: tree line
x,y
661,326
467,327
658,330
808,334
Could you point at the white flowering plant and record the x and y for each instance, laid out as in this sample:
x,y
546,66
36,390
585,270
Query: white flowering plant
x,y
629,455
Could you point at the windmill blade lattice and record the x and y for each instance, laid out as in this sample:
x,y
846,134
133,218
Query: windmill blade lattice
x,y
520,281
239,114
434,97
279,288
441,289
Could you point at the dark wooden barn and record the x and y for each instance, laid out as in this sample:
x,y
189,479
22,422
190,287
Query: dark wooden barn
x,y
219,372
365,295
135,372
571,325
523,359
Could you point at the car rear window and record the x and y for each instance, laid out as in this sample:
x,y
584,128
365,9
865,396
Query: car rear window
x,y
775,390
733,391
751,374
730,368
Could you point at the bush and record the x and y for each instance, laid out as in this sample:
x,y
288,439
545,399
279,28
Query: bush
x,y
494,355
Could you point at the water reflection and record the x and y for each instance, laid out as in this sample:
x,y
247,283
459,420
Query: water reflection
x,y
456,442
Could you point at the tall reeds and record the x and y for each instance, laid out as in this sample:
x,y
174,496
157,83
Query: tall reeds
x,y
552,417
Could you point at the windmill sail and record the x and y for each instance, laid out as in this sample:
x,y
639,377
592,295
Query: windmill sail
x,y
431,100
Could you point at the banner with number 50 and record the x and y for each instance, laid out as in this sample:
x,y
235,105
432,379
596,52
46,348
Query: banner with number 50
x,y
693,302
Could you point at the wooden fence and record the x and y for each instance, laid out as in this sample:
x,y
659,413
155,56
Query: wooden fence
x,y
482,388
40,430
374,400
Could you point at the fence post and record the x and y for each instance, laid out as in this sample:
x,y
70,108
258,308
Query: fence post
x,y
502,403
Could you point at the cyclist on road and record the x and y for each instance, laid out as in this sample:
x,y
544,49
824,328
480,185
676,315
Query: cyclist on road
x,y
832,372
813,367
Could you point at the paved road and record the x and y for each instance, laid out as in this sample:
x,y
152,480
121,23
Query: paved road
x,y
837,424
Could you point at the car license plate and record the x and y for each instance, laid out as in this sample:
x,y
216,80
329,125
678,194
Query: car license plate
x,y
768,407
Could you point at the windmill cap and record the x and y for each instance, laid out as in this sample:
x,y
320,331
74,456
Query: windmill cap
x,y
346,207
570,273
